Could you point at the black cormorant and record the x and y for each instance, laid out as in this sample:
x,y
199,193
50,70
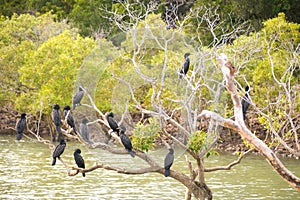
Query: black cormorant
x,y
169,161
70,119
57,119
79,160
126,141
21,126
185,66
77,97
112,122
245,101
59,149
84,132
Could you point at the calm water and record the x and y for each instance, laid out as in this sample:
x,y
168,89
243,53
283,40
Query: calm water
x,y
26,173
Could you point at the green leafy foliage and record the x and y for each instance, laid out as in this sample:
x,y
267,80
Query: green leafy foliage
x,y
61,9
270,70
273,59
40,59
150,62
90,16
52,68
19,35
233,11
212,152
144,135
197,140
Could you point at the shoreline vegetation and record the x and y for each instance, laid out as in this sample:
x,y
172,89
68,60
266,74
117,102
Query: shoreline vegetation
x,y
229,141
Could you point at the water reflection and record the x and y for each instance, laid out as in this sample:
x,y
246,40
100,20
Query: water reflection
x,y
26,173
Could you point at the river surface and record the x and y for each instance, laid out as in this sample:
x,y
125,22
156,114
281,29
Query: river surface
x,y
26,173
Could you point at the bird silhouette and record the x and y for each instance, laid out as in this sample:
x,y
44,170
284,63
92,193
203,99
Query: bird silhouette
x,y
70,119
185,66
77,97
126,141
245,101
21,124
79,160
57,120
84,132
59,149
168,162
112,122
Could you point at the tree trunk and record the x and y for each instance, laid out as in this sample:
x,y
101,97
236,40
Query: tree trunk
x,y
199,190
239,125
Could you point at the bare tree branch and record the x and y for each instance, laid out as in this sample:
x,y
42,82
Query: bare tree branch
x,y
240,126
228,123
230,165
117,169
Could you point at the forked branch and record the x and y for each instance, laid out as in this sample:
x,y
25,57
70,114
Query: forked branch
x,y
240,127
230,165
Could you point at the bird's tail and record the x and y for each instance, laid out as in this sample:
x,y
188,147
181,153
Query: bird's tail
x,y
118,131
83,174
19,136
60,135
75,131
131,153
167,172
54,161
58,129
244,116
74,106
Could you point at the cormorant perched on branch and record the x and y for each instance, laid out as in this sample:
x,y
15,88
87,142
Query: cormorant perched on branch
x,y
168,162
59,149
126,141
79,160
245,101
57,119
21,126
112,122
70,119
185,66
84,130
77,97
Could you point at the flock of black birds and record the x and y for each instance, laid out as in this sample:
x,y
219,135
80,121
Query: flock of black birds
x,y
59,149
83,130
120,131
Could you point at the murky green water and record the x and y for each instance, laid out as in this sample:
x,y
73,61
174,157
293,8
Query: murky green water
x,y
26,173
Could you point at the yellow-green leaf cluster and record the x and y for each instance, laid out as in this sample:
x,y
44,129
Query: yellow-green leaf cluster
x,y
197,140
144,136
51,70
20,35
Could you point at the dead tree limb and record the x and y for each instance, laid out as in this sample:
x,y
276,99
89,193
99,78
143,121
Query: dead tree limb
x,y
230,165
239,125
